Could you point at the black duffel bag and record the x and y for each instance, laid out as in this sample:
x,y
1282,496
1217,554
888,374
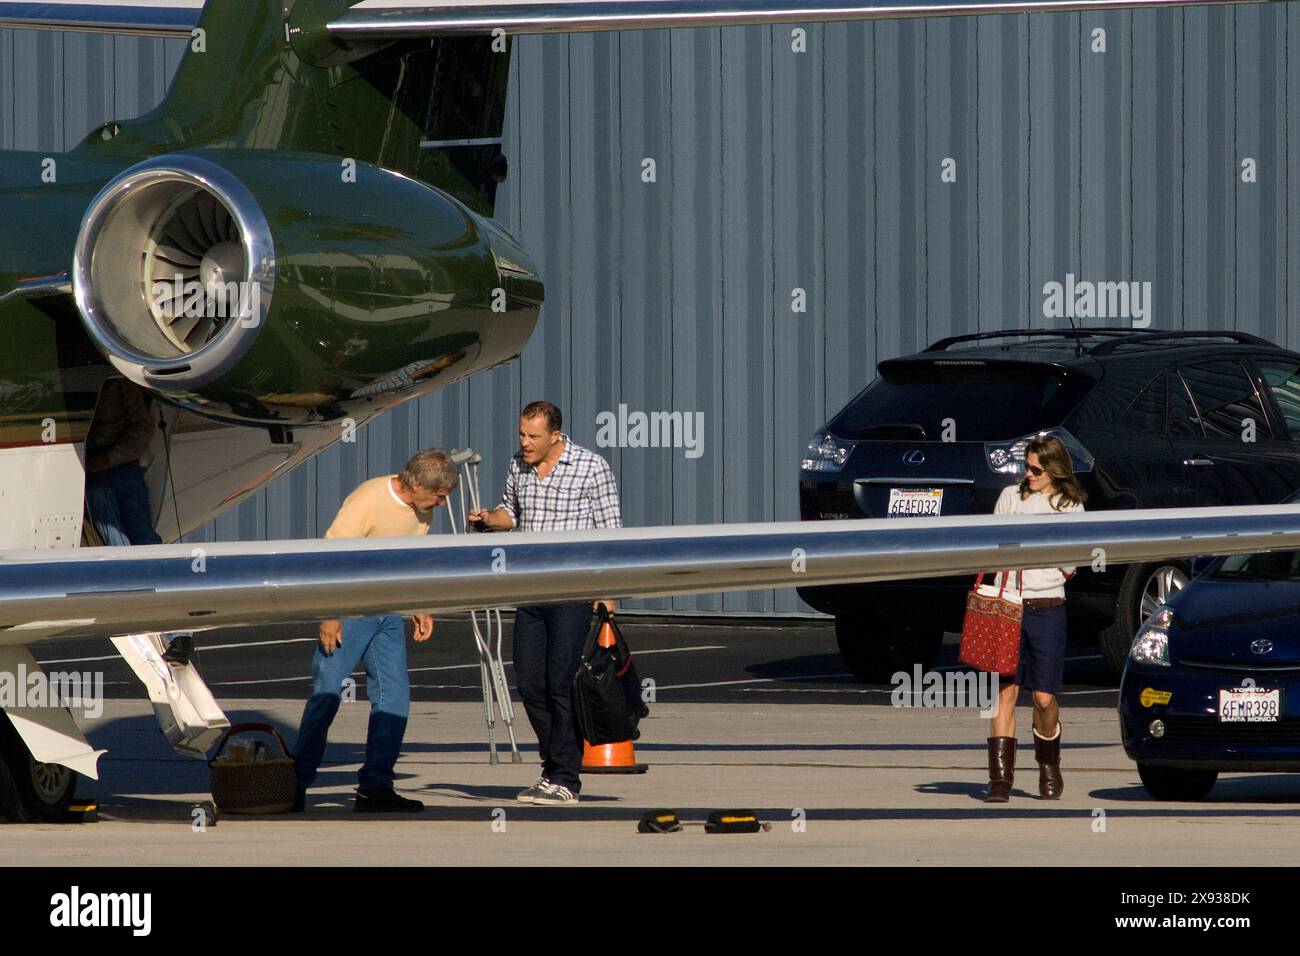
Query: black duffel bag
x,y
607,702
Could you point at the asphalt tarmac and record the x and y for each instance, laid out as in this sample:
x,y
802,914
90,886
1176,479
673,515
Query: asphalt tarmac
x,y
757,715
790,661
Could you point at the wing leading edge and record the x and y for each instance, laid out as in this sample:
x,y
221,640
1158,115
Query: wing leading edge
x,y
141,17
387,20
123,590
393,19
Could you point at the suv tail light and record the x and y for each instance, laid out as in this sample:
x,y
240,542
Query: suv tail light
x,y
826,452
1008,457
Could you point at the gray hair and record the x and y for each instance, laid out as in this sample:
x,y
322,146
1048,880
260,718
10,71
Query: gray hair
x,y
430,470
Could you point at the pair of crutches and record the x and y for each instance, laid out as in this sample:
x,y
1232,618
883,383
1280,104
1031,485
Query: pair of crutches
x,y
488,634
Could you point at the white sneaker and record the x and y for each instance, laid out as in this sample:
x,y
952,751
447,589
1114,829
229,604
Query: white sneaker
x,y
553,795
532,793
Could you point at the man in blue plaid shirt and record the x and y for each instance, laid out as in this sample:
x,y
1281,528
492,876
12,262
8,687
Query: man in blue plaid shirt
x,y
552,485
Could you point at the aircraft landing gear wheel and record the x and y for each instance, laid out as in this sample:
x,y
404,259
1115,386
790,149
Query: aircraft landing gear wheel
x,y
1174,783
1145,588
874,652
31,791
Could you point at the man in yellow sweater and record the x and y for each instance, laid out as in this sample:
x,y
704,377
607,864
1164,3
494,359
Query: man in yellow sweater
x,y
384,507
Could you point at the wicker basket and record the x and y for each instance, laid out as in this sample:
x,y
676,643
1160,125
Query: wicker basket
x,y
258,786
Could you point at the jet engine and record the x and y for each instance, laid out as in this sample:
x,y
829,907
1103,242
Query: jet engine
x,y
277,287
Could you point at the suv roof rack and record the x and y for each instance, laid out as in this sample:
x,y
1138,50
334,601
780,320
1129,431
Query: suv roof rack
x,y
1114,337
1079,334
1144,338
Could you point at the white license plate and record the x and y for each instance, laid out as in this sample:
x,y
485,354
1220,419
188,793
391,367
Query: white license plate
x,y
1249,705
915,502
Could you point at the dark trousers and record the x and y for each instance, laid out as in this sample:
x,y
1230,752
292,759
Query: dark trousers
x,y
548,641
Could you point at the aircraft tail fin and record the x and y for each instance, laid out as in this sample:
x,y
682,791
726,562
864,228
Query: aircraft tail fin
x,y
431,107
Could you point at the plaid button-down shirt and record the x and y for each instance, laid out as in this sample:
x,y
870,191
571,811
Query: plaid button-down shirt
x,y
580,492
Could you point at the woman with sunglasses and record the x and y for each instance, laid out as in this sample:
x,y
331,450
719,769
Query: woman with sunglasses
x,y
1049,487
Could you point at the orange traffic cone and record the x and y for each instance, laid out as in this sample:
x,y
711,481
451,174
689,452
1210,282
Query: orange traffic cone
x,y
610,758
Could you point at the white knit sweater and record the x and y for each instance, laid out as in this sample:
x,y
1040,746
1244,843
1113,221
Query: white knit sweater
x,y
1037,582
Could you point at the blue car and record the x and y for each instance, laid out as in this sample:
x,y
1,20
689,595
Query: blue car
x,y
1212,681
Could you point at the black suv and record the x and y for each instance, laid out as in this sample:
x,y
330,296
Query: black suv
x,y
1152,420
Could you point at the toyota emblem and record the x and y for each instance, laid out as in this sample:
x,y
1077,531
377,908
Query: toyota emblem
x,y
1261,646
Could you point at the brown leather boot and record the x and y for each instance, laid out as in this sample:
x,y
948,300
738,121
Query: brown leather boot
x,y
1047,751
1002,769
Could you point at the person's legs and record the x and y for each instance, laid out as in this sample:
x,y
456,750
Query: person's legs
x,y
1002,734
567,627
1047,714
101,499
389,691
1044,649
1049,639
133,503
1047,746
328,673
529,649
119,508
1003,723
1002,746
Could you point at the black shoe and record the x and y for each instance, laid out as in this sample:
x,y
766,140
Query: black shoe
x,y
300,801
179,649
385,801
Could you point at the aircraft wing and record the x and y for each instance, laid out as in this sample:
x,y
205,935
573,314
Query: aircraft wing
x,y
141,17
398,19
111,591
393,19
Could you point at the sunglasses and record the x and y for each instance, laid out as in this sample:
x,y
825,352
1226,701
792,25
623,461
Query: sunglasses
x,y
1034,470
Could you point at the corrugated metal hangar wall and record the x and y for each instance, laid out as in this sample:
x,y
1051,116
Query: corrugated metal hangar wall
x,y
913,179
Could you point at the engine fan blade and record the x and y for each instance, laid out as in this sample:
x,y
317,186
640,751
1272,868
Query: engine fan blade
x,y
177,257
208,217
190,229
181,328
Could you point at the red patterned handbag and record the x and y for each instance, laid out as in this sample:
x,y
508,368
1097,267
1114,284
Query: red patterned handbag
x,y
990,632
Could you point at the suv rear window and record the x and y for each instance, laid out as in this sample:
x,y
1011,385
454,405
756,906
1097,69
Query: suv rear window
x,y
993,402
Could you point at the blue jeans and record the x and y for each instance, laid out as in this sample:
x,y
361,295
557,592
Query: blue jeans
x,y
548,640
380,644
119,508
119,505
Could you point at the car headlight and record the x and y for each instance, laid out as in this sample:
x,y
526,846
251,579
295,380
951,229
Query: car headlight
x,y
1151,646
1008,457
826,453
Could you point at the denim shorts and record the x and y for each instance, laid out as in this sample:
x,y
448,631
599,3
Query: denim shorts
x,y
1042,649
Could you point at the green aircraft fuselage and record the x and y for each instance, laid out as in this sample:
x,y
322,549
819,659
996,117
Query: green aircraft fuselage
x,y
385,276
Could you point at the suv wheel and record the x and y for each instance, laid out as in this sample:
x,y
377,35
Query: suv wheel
x,y
1145,588
875,652
1173,783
